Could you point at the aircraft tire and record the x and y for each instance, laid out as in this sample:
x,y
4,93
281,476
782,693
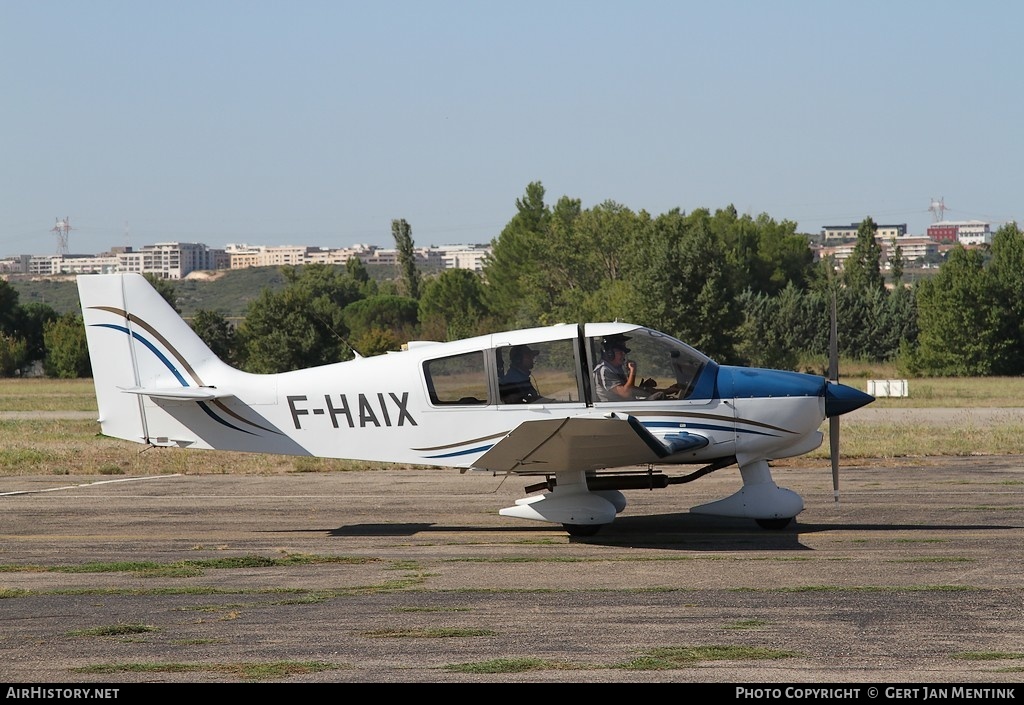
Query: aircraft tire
x,y
582,529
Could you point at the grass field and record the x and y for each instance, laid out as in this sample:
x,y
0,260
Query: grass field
x,y
46,445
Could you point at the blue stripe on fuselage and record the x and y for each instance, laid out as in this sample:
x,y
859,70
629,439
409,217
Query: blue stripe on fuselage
x,y
704,427
457,453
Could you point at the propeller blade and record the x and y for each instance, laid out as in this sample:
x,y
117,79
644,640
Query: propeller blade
x,y
833,376
833,345
833,444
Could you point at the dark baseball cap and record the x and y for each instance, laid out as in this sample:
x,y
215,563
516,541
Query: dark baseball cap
x,y
517,352
616,342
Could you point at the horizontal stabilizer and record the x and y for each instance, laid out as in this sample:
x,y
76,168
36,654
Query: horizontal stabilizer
x,y
178,393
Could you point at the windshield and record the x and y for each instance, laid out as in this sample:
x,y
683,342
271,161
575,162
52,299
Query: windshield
x,y
666,368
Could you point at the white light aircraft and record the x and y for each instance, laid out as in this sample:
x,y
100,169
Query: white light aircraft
x,y
564,405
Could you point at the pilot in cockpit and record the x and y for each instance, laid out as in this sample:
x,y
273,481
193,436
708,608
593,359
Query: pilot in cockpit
x,y
614,375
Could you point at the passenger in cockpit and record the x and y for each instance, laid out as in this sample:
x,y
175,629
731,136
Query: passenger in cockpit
x,y
516,387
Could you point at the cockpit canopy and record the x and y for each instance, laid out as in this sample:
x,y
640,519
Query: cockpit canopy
x,y
560,365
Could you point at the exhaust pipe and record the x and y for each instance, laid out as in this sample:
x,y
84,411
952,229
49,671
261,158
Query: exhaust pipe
x,y
622,482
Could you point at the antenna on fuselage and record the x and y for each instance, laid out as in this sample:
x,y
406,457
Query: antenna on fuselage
x,y
337,334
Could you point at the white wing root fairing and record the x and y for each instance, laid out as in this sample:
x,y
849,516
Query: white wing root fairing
x,y
447,405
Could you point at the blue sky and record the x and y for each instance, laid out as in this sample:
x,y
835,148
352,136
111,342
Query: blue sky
x,y
305,122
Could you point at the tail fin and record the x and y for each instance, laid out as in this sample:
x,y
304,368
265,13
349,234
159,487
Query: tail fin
x,y
139,346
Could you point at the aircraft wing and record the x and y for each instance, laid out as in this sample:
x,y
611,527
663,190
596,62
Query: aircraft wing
x,y
553,445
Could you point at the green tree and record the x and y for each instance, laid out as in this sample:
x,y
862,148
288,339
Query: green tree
x,y
509,270
8,306
898,327
684,285
590,256
765,255
896,265
302,325
552,278
402,233
164,287
785,255
958,321
792,329
863,270
561,264
452,305
67,352
217,332
761,337
29,323
376,341
13,355
378,320
861,315
358,273
355,268
1006,272
805,319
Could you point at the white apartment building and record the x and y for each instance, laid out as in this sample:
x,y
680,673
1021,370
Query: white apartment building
x,y
849,232
469,257
912,248
166,260
243,256
429,257
175,260
966,232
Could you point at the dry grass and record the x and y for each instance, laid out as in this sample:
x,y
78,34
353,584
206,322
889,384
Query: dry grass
x,y
956,392
48,446
59,446
41,394
931,392
916,441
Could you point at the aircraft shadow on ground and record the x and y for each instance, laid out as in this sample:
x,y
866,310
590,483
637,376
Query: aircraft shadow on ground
x,y
674,531
681,531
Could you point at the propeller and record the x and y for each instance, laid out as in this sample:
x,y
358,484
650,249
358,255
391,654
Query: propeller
x,y
833,378
839,398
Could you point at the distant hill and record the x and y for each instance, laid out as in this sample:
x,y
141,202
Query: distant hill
x,y
60,294
228,291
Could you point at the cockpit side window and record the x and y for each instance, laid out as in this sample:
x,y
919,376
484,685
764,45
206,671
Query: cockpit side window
x,y
458,379
665,367
538,373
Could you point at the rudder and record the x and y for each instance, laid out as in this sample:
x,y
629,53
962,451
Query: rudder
x,y
136,341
